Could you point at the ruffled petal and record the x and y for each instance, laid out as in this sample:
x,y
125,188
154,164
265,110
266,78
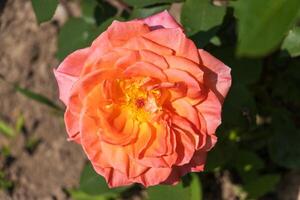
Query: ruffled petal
x,y
216,74
116,157
73,63
139,43
195,92
186,65
217,78
91,142
185,147
120,32
187,111
146,70
155,176
65,83
72,126
68,72
110,130
175,39
96,61
161,20
155,59
196,165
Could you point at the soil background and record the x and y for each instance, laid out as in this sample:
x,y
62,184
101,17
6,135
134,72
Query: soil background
x,y
27,57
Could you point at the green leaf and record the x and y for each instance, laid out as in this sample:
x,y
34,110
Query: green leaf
x,y
20,123
244,70
79,195
143,3
4,182
203,18
261,185
88,10
263,24
6,129
196,188
169,192
5,151
145,12
93,184
44,9
96,31
216,41
37,97
239,106
31,144
284,144
247,163
286,86
75,34
220,155
104,11
291,43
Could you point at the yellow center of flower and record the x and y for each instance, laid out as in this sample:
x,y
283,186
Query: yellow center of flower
x,y
139,102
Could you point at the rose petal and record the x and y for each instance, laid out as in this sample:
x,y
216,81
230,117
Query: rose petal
x,y
194,90
91,141
73,63
120,32
196,165
139,43
155,59
72,126
175,39
155,176
216,74
186,65
185,147
161,20
218,80
65,83
146,70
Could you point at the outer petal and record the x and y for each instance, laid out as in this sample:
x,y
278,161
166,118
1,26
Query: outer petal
x,y
175,39
155,176
68,71
218,79
139,43
65,83
216,74
186,65
185,147
161,20
72,126
120,32
194,90
91,142
145,69
196,164
73,64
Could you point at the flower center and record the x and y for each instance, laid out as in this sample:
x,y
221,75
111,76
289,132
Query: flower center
x,y
140,102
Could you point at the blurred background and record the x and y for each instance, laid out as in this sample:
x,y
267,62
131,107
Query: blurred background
x,y
258,152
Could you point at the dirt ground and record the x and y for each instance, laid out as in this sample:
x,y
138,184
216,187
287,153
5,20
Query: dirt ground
x,y
27,57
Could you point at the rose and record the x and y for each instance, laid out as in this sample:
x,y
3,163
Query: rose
x,y
143,101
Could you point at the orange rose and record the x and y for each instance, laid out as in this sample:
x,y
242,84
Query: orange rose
x,y
143,101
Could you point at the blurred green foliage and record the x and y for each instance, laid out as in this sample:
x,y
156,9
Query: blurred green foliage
x,y
260,41
44,9
187,191
263,24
